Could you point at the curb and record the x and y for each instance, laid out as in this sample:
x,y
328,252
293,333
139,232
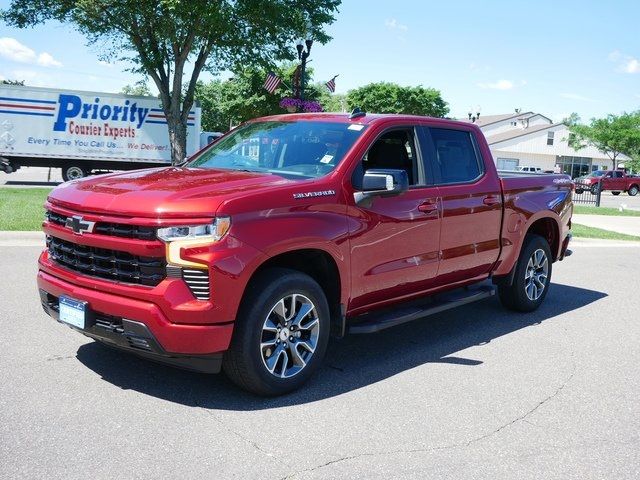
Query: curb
x,y
21,239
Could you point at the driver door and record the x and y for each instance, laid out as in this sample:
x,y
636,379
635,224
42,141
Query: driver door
x,y
395,240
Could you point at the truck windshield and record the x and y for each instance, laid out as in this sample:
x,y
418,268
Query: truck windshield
x,y
302,149
597,173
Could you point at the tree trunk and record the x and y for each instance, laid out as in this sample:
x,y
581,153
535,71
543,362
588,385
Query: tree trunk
x,y
177,138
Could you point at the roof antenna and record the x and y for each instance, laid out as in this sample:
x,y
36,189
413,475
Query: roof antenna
x,y
357,113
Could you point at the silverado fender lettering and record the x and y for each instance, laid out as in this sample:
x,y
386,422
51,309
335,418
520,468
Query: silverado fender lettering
x,y
323,193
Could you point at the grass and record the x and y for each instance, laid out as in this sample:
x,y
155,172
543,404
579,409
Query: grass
x,y
22,208
584,209
582,231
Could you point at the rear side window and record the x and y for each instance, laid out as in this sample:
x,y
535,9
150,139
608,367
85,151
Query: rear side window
x,y
456,157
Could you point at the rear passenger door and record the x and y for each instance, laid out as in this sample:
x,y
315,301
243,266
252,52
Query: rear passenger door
x,y
471,204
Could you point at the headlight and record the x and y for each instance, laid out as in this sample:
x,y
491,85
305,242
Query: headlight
x,y
177,238
211,231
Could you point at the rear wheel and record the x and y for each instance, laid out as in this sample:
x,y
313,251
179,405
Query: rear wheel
x,y
73,172
281,333
532,277
633,191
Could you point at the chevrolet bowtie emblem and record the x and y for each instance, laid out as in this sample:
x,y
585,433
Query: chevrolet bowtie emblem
x,y
79,225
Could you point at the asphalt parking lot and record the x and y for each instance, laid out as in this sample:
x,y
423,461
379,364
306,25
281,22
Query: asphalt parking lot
x,y
476,393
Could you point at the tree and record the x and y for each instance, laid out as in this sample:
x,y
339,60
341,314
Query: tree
x,y
227,103
12,82
613,135
385,97
139,89
331,102
167,40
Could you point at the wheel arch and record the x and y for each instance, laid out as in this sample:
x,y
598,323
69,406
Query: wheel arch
x,y
321,267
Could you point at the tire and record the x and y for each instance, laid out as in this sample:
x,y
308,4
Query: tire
x,y
73,172
594,189
519,296
261,331
633,191
615,193
579,191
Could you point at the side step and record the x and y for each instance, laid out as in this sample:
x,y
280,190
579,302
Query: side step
x,y
374,322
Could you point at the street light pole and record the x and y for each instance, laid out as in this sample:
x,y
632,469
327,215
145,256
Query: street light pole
x,y
303,54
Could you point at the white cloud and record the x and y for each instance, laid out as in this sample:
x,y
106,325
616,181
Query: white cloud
x,y
575,96
46,60
626,63
499,85
632,65
12,49
393,24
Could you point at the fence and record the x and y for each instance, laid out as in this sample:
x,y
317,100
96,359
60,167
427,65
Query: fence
x,y
588,195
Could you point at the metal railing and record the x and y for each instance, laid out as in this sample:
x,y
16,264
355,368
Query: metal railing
x,y
588,195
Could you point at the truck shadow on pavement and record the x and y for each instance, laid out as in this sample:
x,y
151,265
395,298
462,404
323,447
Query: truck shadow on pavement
x,y
351,363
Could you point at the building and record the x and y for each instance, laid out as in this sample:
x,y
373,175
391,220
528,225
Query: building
x,y
531,139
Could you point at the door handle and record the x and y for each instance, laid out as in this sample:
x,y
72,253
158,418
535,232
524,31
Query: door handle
x,y
491,200
429,206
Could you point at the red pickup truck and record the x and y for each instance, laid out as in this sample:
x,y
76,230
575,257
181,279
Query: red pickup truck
x,y
615,180
291,228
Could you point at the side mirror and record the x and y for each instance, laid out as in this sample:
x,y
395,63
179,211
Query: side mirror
x,y
382,183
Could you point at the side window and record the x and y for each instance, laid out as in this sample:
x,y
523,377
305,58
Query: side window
x,y
394,149
456,158
618,174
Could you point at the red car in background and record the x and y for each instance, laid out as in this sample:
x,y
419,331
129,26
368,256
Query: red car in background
x,y
615,180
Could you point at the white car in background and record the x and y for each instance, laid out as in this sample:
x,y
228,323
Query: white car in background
x,y
528,169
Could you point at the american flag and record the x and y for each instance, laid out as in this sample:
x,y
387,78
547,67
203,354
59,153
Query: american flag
x,y
331,84
272,82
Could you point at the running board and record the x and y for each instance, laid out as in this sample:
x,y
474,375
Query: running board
x,y
374,322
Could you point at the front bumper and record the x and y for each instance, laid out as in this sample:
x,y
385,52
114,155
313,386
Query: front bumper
x,y
140,326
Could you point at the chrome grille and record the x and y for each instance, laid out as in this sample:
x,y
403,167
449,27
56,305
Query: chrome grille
x,y
106,228
198,282
109,264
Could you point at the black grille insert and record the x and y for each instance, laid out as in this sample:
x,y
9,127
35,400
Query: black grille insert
x,y
109,264
113,229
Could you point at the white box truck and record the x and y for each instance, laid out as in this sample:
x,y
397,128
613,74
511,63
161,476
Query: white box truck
x,y
80,132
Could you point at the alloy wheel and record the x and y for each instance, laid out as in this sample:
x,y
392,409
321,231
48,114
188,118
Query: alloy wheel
x,y
537,274
289,336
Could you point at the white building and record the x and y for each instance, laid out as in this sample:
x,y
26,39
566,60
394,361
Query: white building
x,y
531,139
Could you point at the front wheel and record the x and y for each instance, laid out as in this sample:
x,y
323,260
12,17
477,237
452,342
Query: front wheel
x,y
633,191
532,277
73,172
281,333
594,189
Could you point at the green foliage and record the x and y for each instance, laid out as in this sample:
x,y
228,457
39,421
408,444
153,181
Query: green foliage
x,y
571,120
331,102
140,89
12,82
613,135
385,97
230,102
160,37
22,208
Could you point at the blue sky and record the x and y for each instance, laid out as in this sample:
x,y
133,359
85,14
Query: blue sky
x,y
549,56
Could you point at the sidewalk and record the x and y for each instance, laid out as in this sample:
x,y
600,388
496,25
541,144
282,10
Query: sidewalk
x,y
21,239
627,225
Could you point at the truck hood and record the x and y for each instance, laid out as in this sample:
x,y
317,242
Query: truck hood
x,y
160,192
